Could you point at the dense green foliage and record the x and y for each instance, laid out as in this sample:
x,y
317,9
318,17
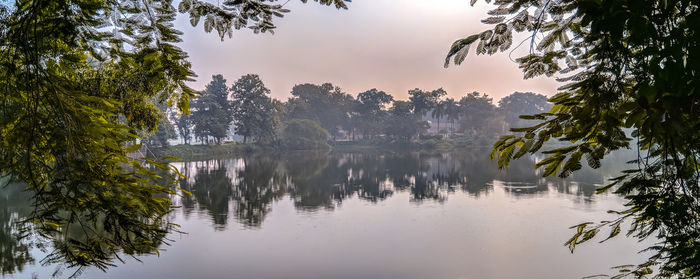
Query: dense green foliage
x,y
304,134
366,118
452,111
212,111
479,115
75,92
629,66
184,125
519,103
325,103
80,80
237,14
256,115
402,124
424,101
164,132
371,112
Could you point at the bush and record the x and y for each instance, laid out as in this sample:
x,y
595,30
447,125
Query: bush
x,y
429,137
304,134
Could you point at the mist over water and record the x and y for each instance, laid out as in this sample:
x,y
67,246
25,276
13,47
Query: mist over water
x,y
377,214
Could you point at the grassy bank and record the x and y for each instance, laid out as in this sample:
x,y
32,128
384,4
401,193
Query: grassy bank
x,y
202,152
437,144
193,152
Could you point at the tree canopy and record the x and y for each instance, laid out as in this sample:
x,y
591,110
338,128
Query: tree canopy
x,y
325,103
522,103
79,80
402,123
304,134
370,110
477,112
212,111
254,112
423,101
624,65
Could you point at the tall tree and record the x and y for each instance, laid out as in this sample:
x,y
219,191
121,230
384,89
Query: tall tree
x,y
478,115
184,125
519,103
254,114
304,134
325,103
78,79
164,132
371,110
211,111
424,101
452,111
74,97
628,65
438,112
402,123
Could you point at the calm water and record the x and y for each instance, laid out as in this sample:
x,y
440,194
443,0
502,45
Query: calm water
x,y
366,215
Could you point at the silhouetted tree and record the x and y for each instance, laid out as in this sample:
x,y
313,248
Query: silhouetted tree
x,y
324,103
519,103
439,111
624,65
478,114
254,113
402,123
211,112
304,134
184,125
452,111
424,101
370,110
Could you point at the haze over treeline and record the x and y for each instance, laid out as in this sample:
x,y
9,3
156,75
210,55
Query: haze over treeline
x,y
317,113
395,45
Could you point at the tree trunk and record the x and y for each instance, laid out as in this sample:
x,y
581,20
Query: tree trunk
x,y
438,126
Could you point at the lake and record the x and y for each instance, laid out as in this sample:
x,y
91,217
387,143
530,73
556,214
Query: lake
x,y
367,214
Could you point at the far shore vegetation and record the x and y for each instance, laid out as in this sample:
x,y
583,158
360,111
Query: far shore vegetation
x,y
242,118
86,83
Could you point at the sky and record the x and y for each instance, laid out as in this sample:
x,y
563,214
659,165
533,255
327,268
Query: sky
x,y
391,45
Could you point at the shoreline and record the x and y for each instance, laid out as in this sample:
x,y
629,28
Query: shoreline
x,y
229,149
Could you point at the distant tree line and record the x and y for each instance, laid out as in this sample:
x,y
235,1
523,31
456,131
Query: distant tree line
x,y
329,114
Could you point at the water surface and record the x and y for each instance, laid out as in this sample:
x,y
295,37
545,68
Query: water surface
x,y
371,214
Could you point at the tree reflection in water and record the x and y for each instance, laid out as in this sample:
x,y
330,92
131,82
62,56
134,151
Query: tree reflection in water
x,y
245,188
71,238
314,181
14,251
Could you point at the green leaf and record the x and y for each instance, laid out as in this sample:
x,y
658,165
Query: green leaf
x,y
133,148
459,50
614,232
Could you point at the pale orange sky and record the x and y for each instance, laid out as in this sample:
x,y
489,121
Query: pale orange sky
x,y
391,45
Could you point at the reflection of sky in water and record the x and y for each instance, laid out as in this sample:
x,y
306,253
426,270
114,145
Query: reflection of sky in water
x,y
380,215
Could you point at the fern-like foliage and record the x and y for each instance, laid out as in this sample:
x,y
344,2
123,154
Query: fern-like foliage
x,y
257,15
629,74
79,81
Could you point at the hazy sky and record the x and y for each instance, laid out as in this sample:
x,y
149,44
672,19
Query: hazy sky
x,y
391,45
